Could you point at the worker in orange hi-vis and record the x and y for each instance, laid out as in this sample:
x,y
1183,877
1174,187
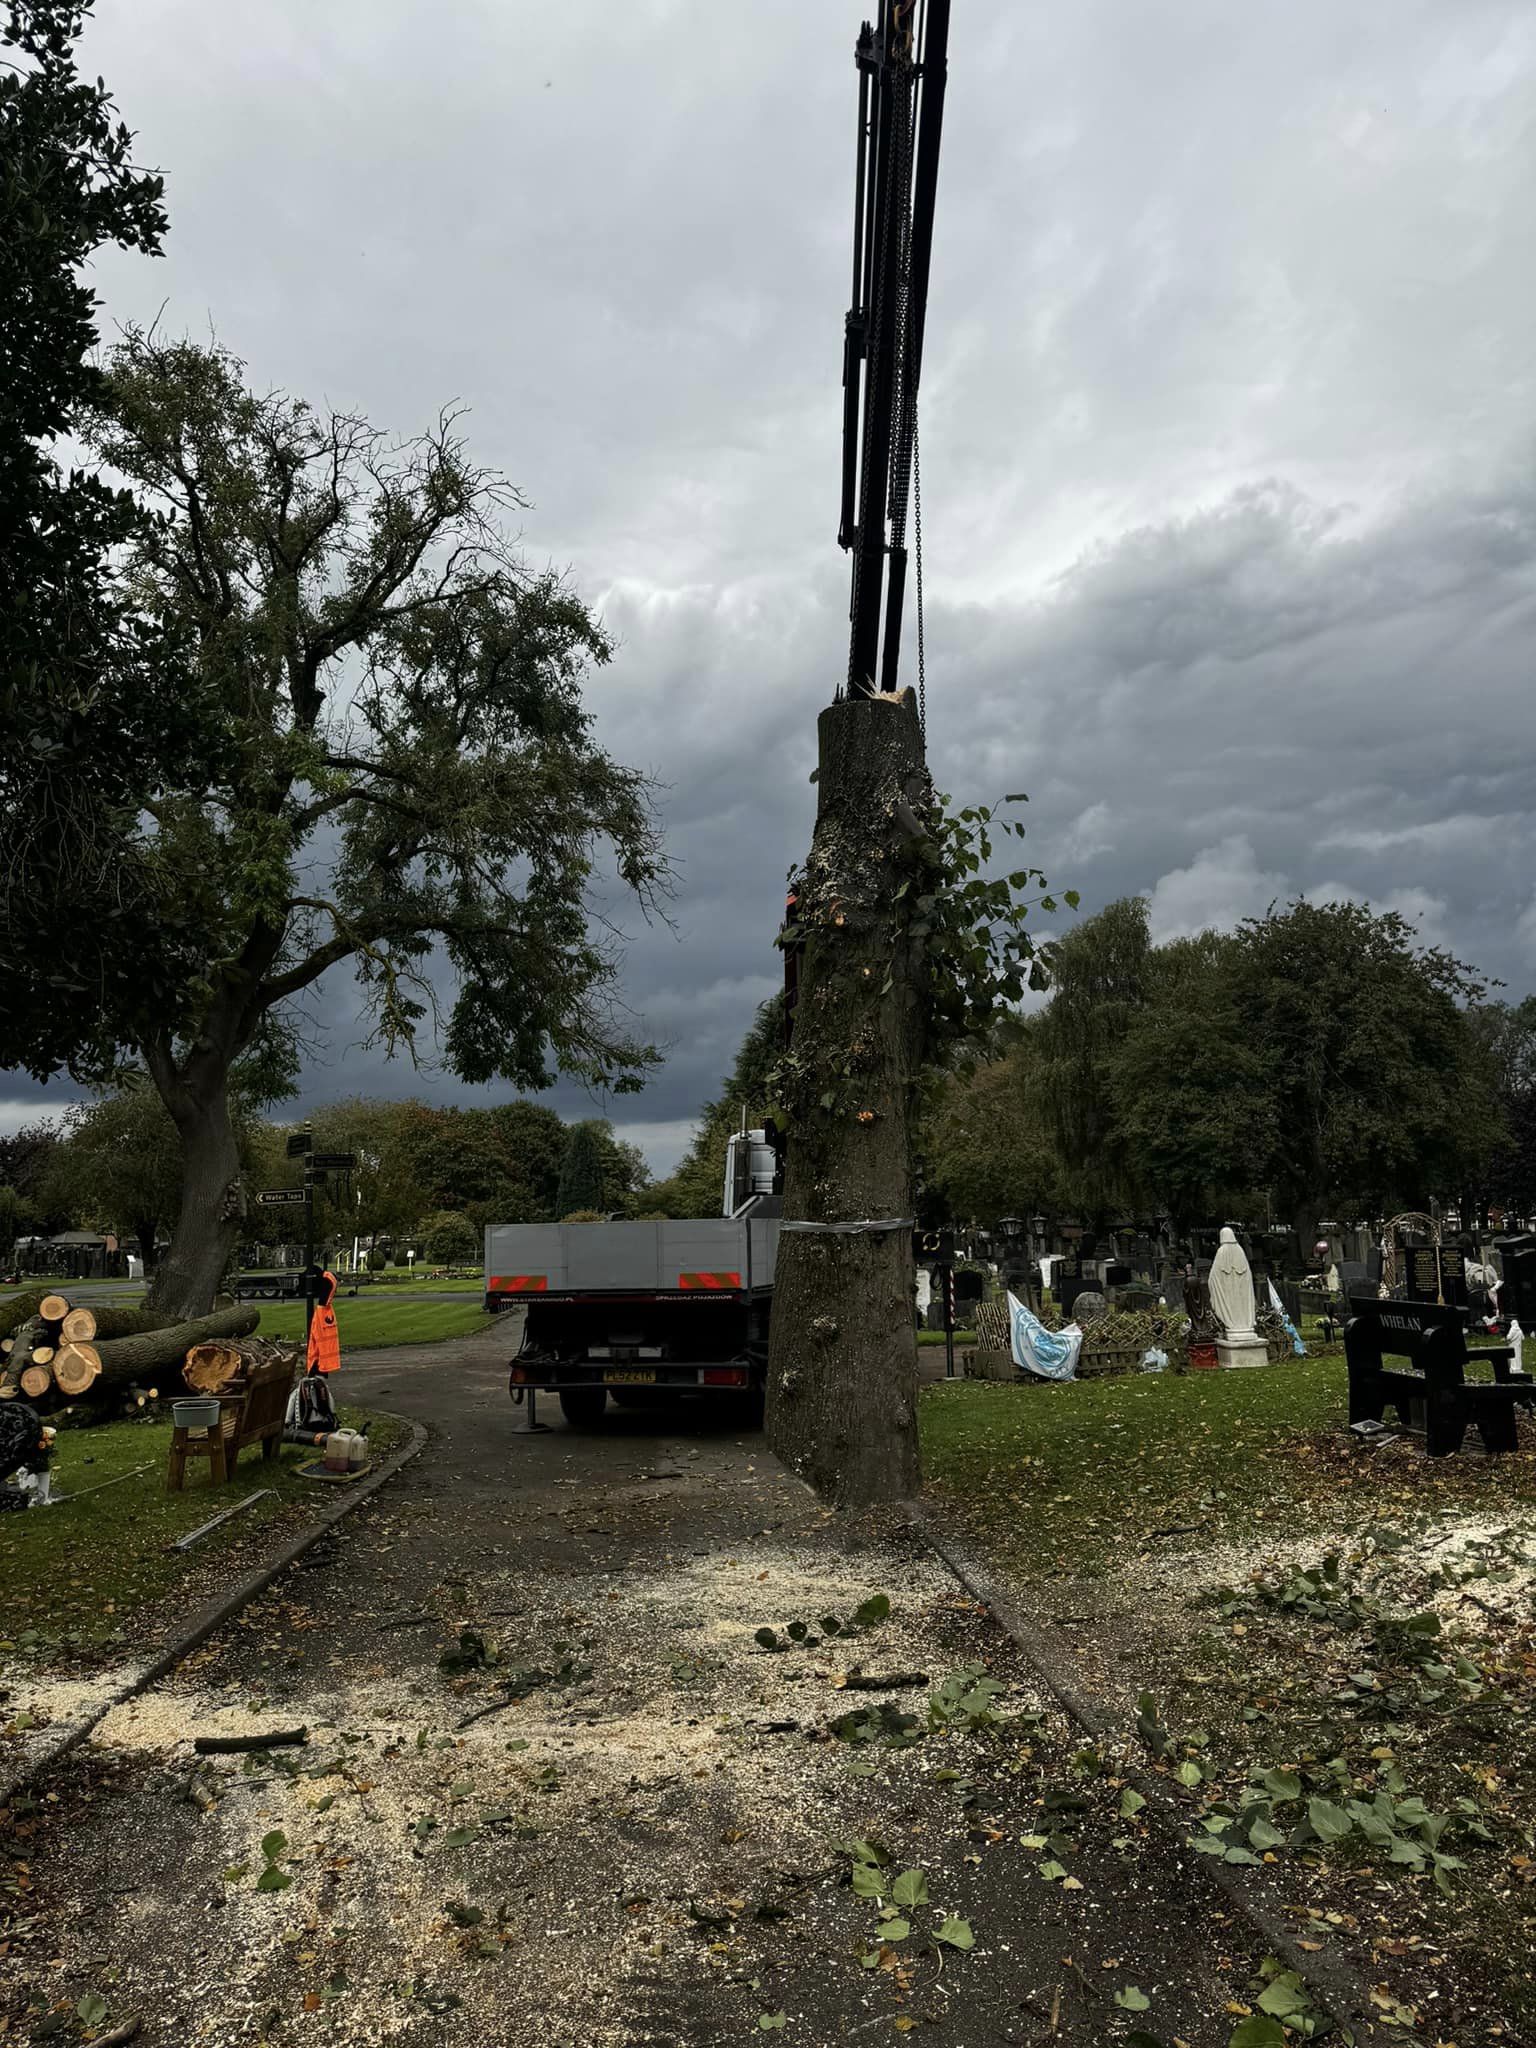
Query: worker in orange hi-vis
x,y
324,1344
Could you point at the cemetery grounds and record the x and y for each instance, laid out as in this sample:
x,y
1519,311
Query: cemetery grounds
x,y
1326,1650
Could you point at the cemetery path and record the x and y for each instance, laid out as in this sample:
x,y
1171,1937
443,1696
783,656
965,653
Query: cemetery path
x,y
639,1841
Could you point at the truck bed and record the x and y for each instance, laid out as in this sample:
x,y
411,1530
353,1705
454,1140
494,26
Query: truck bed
x,y
652,1259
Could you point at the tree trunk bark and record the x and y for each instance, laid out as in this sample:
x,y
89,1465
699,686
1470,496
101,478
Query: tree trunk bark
x,y
148,1236
842,1369
126,1358
212,1201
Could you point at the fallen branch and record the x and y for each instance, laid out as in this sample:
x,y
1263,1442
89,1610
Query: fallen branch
x,y
119,2036
237,1745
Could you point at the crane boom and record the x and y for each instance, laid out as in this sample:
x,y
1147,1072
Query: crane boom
x,y
902,63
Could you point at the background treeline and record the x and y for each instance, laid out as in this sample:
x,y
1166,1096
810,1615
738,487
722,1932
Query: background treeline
x,y
1318,1061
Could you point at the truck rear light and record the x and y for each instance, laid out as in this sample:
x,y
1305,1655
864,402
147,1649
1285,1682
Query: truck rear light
x,y
519,1375
724,1376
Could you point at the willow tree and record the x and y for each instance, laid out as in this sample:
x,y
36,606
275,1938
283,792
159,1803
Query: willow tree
x,y
400,782
908,945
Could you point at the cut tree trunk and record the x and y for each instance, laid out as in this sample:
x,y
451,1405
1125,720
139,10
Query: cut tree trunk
x,y
212,1203
842,1374
211,1367
158,1351
53,1308
35,1381
129,1322
76,1369
78,1327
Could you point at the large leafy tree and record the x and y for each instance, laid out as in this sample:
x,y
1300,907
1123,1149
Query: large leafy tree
x,y
498,1165
987,1143
582,1181
1504,1175
1193,1109
1372,1087
1101,974
400,779
77,721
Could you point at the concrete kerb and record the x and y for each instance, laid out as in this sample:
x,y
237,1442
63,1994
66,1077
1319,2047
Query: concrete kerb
x,y
1332,1982
220,1609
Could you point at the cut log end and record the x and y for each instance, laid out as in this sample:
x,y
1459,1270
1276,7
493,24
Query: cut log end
x,y
42,1354
211,1367
76,1368
53,1308
36,1381
79,1326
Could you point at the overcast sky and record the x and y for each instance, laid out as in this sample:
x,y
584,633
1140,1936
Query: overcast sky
x,y
1227,439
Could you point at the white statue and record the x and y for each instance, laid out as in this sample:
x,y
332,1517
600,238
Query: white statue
x,y
1231,1292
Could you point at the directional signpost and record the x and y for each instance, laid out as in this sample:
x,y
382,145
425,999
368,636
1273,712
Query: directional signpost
x,y
316,1166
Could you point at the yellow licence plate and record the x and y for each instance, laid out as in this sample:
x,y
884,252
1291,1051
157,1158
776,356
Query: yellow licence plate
x,y
629,1379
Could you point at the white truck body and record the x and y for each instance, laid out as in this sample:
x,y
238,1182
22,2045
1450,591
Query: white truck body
x,y
628,1258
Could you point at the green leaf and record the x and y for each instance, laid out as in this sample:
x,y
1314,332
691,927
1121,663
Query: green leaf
x,y
1282,1784
273,1845
324,1805
92,2009
955,1932
1051,1870
773,2022
910,1889
1131,1804
868,1881
1265,1835
895,1930
875,1609
1286,1995
1071,898
1257,2031
456,1838
1133,1999
1189,1773
1330,1823
273,1879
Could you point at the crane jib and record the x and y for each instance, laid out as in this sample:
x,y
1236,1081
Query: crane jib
x,y
902,64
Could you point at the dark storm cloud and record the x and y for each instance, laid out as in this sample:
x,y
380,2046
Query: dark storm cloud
x,y
1227,430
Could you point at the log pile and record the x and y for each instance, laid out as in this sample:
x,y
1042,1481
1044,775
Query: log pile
x,y
49,1347
53,1352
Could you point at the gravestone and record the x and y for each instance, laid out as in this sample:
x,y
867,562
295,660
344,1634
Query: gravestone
x,y
1435,1272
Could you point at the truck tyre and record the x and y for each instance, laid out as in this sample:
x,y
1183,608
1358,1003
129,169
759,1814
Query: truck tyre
x,y
583,1407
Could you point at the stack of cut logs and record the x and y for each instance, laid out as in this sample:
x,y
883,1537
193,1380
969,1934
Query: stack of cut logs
x,y
52,1349
50,1352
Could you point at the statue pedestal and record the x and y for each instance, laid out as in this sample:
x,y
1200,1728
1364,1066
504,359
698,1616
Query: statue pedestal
x,y
1246,1349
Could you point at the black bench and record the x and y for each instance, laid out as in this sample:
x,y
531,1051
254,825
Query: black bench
x,y
1433,1385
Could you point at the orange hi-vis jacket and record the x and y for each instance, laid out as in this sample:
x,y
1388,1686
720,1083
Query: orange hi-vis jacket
x,y
324,1344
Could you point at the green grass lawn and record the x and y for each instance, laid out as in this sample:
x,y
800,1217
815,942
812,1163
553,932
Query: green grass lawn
x,y
372,1321
1063,1478
77,1573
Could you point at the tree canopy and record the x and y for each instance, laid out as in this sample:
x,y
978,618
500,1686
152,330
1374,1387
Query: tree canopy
x,y
1319,1057
78,718
397,773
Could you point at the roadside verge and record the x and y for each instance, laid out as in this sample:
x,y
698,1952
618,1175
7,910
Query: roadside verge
x,y
61,1736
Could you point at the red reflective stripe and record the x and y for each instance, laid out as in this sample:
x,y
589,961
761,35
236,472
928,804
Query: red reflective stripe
x,y
519,1283
716,1280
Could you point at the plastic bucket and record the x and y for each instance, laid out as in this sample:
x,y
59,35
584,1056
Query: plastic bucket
x,y
201,1413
